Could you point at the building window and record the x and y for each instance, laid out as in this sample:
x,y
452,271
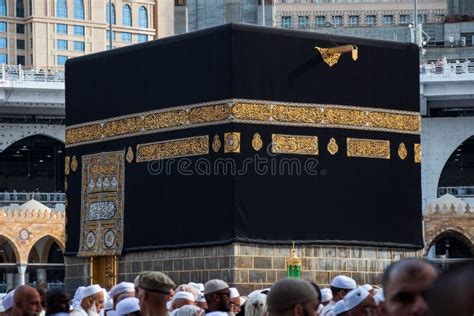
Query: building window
x,y
20,44
404,18
142,17
371,20
61,60
79,30
31,9
107,35
422,18
20,28
61,44
3,59
20,60
337,20
320,21
303,22
388,19
107,13
61,8
126,37
127,15
79,46
141,38
20,9
3,27
3,7
354,20
79,9
3,42
61,28
286,22
180,3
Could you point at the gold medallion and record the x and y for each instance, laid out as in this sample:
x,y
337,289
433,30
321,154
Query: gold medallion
x,y
402,151
257,142
417,153
67,162
65,183
332,147
129,156
216,143
232,142
73,163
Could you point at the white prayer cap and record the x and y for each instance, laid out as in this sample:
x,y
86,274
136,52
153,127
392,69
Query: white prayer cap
x,y
234,293
217,314
112,312
187,310
214,285
181,295
122,287
326,295
344,282
379,297
368,287
200,298
77,296
340,307
168,305
109,304
91,290
197,286
355,297
7,301
127,306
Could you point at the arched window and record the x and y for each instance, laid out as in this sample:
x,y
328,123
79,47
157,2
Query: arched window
x,y
127,15
20,9
143,17
61,8
3,7
79,9
107,13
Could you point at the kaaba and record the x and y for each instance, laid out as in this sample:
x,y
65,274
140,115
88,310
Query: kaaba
x,y
207,154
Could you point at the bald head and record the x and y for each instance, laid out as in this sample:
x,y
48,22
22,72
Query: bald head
x,y
405,284
26,302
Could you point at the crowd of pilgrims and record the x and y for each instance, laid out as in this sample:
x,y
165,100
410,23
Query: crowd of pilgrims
x,y
409,287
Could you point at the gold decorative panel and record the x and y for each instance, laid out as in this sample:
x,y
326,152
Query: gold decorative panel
x,y
417,148
232,142
74,164
402,151
104,271
257,142
294,144
130,155
67,162
251,111
332,147
183,147
368,148
102,204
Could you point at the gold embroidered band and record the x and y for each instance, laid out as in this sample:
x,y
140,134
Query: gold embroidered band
x,y
368,148
183,147
244,111
294,144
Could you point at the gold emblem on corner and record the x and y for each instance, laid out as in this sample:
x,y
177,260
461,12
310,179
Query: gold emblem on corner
x,y
417,149
257,142
216,143
129,156
402,151
74,163
232,142
332,147
331,55
67,164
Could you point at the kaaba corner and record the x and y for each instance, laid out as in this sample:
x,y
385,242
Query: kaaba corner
x,y
206,155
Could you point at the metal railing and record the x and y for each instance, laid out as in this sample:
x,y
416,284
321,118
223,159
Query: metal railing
x,y
447,68
22,73
22,197
457,191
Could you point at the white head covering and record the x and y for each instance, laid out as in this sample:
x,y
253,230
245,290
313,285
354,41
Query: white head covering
x,y
109,304
187,310
340,307
355,297
379,297
77,297
122,287
326,295
128,305
197,286
200,298
91,290
217,314
368,287
234,293
344,282
181,295
7,301
256,305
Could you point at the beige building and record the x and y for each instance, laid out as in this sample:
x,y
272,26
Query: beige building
x,y
306,14
45,33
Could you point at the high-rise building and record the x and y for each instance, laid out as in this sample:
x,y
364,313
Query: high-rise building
x,y
45,33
